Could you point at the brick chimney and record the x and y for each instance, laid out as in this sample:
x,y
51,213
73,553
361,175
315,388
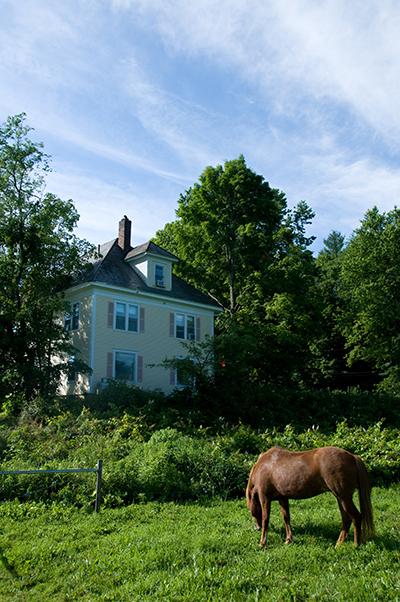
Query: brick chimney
x,y
124,233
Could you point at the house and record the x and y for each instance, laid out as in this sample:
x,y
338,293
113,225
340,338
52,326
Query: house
x,y
128,311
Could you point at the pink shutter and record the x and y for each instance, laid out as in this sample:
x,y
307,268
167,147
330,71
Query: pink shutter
x,y
172,376
198,331
110,364
110,322
171,325
139,376
141,321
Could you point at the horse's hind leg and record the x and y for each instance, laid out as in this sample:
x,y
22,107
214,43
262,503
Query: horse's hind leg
x,y
350,514
284,504
266,509
346,522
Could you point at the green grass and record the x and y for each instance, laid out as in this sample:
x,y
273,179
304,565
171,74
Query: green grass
x,y
195,552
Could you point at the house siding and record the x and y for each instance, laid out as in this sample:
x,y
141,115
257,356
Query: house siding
x,y
153,345
81,340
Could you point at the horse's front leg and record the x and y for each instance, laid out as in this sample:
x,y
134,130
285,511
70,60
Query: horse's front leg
x,y
266,509
284,504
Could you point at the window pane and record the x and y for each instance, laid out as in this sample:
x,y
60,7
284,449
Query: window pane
x,y
190,332
124,365
159,269
120,312
72,375
133,318
75,316
180,326
67,322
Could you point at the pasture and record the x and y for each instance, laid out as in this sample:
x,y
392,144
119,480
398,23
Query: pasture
x,y
195,551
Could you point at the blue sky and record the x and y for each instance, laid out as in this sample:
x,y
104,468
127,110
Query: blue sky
x,y
134,98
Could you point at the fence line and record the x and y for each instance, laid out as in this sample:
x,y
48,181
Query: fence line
x,y
98,470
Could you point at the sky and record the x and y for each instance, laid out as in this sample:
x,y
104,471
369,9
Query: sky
x,y
134,98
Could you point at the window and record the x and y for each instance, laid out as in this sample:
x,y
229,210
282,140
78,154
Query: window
x,y
125,365
126,317
183,375
72,374
159,275
185,327
71,321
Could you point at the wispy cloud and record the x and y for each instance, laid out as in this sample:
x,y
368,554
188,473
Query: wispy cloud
x,y
152,91
349,52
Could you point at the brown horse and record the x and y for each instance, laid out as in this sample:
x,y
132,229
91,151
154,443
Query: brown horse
x,y
282,475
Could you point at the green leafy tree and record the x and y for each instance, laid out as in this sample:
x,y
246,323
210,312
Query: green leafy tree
x,y
225,230
238,242
330,348
230,225
38,255
371,295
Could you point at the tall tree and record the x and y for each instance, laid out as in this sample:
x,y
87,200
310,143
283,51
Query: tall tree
x,y
330,348
371,295
237,241
38,255
229,225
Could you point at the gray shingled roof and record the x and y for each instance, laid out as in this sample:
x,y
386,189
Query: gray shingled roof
x,y
112,269
150,247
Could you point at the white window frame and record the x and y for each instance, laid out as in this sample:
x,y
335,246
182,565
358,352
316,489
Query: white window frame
x,y
186,336
131,353
126,325
73,317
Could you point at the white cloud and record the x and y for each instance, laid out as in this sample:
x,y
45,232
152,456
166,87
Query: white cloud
x,y
294,48
157,89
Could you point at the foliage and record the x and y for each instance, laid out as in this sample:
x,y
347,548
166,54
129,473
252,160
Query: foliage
x,y
330,349
194,552
142,462
371,295
237,241
38,255
225,230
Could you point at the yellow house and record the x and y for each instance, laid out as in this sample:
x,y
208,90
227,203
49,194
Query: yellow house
x,y
128,311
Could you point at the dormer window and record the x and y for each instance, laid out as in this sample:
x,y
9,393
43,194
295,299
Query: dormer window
x,y
153,264
159,275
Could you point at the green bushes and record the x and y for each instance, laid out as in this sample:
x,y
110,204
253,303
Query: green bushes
x,y
259,407
144,463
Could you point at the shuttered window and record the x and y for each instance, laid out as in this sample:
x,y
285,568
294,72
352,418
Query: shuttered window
x,y
125,317
184,327
125,365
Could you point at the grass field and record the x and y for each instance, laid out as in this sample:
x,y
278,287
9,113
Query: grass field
x,y
195,552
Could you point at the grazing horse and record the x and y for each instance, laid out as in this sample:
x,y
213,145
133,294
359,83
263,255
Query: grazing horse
x,y
282,475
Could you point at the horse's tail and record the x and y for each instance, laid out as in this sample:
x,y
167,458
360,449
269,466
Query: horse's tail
x,y
364,494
